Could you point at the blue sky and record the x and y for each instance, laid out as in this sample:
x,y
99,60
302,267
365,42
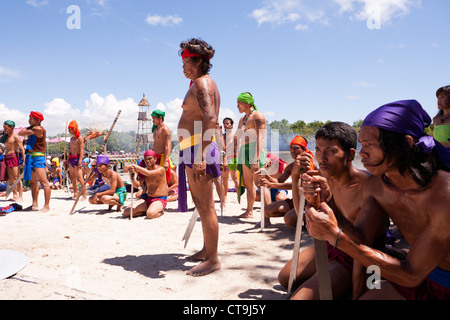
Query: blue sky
x,y
301,59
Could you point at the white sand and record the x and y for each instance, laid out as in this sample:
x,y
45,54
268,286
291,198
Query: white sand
x,y
98,255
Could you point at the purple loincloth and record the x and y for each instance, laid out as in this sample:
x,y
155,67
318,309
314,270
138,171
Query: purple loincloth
x,y
187,159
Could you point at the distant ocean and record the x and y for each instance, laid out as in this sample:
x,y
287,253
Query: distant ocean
x,y
286,156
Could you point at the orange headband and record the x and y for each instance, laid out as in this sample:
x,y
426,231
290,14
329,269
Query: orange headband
x,y
74,126
298,140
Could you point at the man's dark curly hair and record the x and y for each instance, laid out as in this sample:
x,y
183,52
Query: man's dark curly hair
x,y
200,47
342,132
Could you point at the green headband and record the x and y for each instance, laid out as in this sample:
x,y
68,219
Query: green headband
x,y
157,113
247,98
10,123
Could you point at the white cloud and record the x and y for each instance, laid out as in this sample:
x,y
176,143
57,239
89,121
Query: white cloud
x,y
277,12
385,10
36,3
98,113
173,112
365,84
6,75
170,20
301,27
20,118
304,12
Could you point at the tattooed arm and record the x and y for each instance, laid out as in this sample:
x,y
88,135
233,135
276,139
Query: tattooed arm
x,y
260,127
206,98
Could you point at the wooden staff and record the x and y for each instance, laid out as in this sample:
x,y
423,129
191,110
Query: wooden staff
x,y
109,133
320,248
66,178
14,185
262,192
321,252
132,191
297,239
190,227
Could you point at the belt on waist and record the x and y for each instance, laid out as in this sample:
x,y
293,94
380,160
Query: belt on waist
x,y
36,154
192,141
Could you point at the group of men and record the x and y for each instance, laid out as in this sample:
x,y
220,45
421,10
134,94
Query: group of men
x,y
31,157
406,182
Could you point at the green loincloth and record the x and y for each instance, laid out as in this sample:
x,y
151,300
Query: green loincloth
x,y
245,157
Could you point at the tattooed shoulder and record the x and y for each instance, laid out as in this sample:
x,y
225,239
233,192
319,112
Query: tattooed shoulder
x,y
205,98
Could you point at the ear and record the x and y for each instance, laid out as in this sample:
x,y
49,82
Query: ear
x,y
409,140
351,154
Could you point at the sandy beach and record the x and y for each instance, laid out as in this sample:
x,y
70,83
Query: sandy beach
x,y
98,255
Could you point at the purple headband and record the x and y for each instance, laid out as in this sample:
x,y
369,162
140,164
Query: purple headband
x,y
103,160
408,117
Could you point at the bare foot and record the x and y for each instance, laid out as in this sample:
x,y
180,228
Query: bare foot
x,y
45,209
204,268
246,214
83,198
199,256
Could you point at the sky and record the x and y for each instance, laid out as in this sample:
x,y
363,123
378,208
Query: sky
x,y
301,59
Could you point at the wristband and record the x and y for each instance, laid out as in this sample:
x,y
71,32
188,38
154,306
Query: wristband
x,y
331,199
338,236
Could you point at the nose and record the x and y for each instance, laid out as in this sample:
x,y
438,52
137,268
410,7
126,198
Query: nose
x,y
363,153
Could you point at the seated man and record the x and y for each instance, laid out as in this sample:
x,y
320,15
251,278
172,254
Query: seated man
x,y
410,183
117,194
173,187
154,201
285,208
274,168
55,173
341,185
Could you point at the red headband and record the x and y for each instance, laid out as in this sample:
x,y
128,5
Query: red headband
x,y
189,54
149,153
37,115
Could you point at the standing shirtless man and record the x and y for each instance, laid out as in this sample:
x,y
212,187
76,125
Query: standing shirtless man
x,y
251,157
231,157
35,164
76,149
162,143
201,108
410,182
13,145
